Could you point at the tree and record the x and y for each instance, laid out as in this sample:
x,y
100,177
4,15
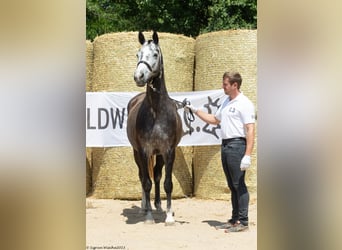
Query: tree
x,y
232,14
175,16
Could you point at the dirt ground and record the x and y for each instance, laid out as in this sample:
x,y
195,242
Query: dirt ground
x,y
117,224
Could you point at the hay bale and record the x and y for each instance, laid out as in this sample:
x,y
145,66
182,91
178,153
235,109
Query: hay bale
x,y
89,71
115,174
216,53
88,171
115,61
89,65
209,180
221,51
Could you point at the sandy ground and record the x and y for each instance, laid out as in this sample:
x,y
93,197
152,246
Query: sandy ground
x,y
117,224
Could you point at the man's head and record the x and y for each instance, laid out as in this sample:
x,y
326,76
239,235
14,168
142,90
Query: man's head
x,y
233,77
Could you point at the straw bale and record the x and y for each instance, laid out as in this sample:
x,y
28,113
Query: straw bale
x,y
89,71
115,174
221,51
209,180
217,52
89,65
179,57
115,61
88,171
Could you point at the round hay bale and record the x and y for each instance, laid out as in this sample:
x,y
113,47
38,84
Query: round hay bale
x,y
89,71
210,182
179,58
89,65
221,51
115,174
115,61
217,52
88,171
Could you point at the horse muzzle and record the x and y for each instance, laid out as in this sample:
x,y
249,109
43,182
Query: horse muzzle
x,y
139,80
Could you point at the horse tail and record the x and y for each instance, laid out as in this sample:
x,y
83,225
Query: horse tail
x,y
150,166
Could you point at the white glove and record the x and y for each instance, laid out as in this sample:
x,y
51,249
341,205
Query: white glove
x,y
245,162
191,107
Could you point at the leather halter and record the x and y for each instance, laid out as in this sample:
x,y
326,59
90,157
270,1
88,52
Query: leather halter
x,y
151,70
146,63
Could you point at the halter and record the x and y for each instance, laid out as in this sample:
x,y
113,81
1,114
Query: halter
x,y
146,63
151,70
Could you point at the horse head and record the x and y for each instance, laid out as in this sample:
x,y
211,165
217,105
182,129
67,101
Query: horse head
x,y
150,61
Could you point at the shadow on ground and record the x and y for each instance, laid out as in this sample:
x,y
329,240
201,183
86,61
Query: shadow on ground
x,y
214,223
134,215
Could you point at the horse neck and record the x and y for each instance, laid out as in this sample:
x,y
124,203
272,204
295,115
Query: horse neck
x,y
158,93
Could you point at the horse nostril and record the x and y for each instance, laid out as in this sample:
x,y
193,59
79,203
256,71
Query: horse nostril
x,y
142,75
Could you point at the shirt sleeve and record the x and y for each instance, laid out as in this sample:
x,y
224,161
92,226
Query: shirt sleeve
x,y
248,113
218,114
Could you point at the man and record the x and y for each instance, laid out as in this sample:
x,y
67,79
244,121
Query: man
x,y
236,116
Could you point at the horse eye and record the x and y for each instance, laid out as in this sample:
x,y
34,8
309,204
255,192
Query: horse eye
x,y
155,55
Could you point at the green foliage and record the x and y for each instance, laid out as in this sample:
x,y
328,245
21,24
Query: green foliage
x,y
175,16
232,14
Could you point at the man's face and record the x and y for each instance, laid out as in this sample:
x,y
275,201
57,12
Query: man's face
x,y
227,87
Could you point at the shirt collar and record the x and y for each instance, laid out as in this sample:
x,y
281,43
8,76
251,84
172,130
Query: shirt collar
x,y
236,98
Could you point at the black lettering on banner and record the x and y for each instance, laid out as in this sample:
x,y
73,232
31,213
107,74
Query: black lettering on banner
x,y
88,120
212,106
117,117
99,112
104,116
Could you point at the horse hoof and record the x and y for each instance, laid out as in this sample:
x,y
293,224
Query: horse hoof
x,y
170,220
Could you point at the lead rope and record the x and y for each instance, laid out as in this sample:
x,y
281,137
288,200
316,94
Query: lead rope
x,y
189,114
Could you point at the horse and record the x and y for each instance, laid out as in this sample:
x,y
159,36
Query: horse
x,y
154,127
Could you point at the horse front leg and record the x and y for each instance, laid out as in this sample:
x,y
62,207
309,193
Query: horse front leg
x,y
168,186
139,162
157,176
146,185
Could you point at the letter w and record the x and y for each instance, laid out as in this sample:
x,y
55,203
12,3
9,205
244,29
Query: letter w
x,y
117,117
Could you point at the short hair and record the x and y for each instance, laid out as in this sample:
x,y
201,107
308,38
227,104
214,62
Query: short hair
x,y
233,77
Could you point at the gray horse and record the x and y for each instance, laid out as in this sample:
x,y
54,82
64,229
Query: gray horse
x,y
154,127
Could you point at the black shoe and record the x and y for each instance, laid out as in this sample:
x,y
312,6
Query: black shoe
x,y
236,228
227,225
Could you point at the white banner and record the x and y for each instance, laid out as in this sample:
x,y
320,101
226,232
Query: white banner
x,y
106,117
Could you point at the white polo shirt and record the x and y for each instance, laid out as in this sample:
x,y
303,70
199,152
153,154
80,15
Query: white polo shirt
x,y
234,115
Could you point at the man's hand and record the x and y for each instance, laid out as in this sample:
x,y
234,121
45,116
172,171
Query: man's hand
x,y
245,162
191,107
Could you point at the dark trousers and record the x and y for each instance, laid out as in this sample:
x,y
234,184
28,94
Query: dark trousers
x,y
231,156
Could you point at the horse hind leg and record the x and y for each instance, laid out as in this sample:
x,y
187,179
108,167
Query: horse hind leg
x,y
157,177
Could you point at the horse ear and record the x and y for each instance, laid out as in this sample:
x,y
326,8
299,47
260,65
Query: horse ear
x,y
155,37
141,38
